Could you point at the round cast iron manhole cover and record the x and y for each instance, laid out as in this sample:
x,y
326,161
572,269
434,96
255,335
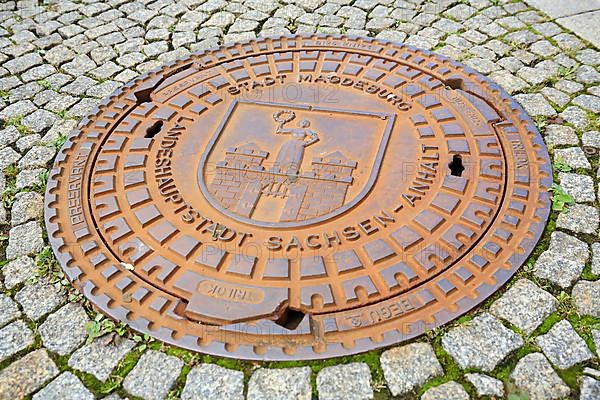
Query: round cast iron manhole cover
x,y
298,197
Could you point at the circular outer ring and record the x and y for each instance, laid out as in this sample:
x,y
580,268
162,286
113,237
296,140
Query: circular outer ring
x,y
324,344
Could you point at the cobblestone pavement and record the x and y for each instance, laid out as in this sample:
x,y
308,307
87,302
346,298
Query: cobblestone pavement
x,y
537,339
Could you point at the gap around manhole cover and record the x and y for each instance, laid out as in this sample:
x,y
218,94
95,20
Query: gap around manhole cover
x,y
299,197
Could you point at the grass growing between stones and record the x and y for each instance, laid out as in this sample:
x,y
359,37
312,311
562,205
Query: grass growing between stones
x,y
58,142
502,371
189,359
175,392
584,326
48,267
10,190
594,122
587,274
113,383
571,376
16,122
7,197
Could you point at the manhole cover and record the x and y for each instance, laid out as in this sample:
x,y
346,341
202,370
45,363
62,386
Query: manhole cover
x,y
300,197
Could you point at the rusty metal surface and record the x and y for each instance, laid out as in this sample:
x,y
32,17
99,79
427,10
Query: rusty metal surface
x,y
299,197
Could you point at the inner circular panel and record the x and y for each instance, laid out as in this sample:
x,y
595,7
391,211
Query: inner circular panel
x,y
298,197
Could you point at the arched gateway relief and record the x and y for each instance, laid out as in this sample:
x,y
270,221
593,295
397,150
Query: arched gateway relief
x,y
260,228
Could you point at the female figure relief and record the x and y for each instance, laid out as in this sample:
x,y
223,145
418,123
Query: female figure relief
x,y
291,153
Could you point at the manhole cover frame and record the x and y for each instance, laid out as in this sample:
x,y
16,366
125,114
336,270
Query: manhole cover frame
x,y
263,349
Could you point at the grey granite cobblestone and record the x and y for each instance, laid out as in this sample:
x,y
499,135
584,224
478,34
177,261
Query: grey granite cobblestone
x,y
508,81
9,310
564,260
39,299
560,135
26,142
38,156
569,87
27,206
586,296
13,338
485,385
580,187
556,96
64,331
153,375
525,305
563,346
280,384
576,117
590,389
65,387
596,258
26,375
8,136
408,367
579,218
209,381
100,359
591,141
18,271
534,376
29,178
345,382
7,157
535,104
572,156
480,343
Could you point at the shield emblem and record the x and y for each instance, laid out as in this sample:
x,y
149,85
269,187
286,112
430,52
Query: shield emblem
x,y
273,164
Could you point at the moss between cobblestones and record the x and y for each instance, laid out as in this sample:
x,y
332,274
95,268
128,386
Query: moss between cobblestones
x,y
37,344
571,376
546,325
190,359
587,274
238,365
594,119
584,325
112,384
175,392
503,371
10,176
45,84
16,122
452,372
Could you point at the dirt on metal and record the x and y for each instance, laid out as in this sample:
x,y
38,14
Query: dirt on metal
x,y
299,197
